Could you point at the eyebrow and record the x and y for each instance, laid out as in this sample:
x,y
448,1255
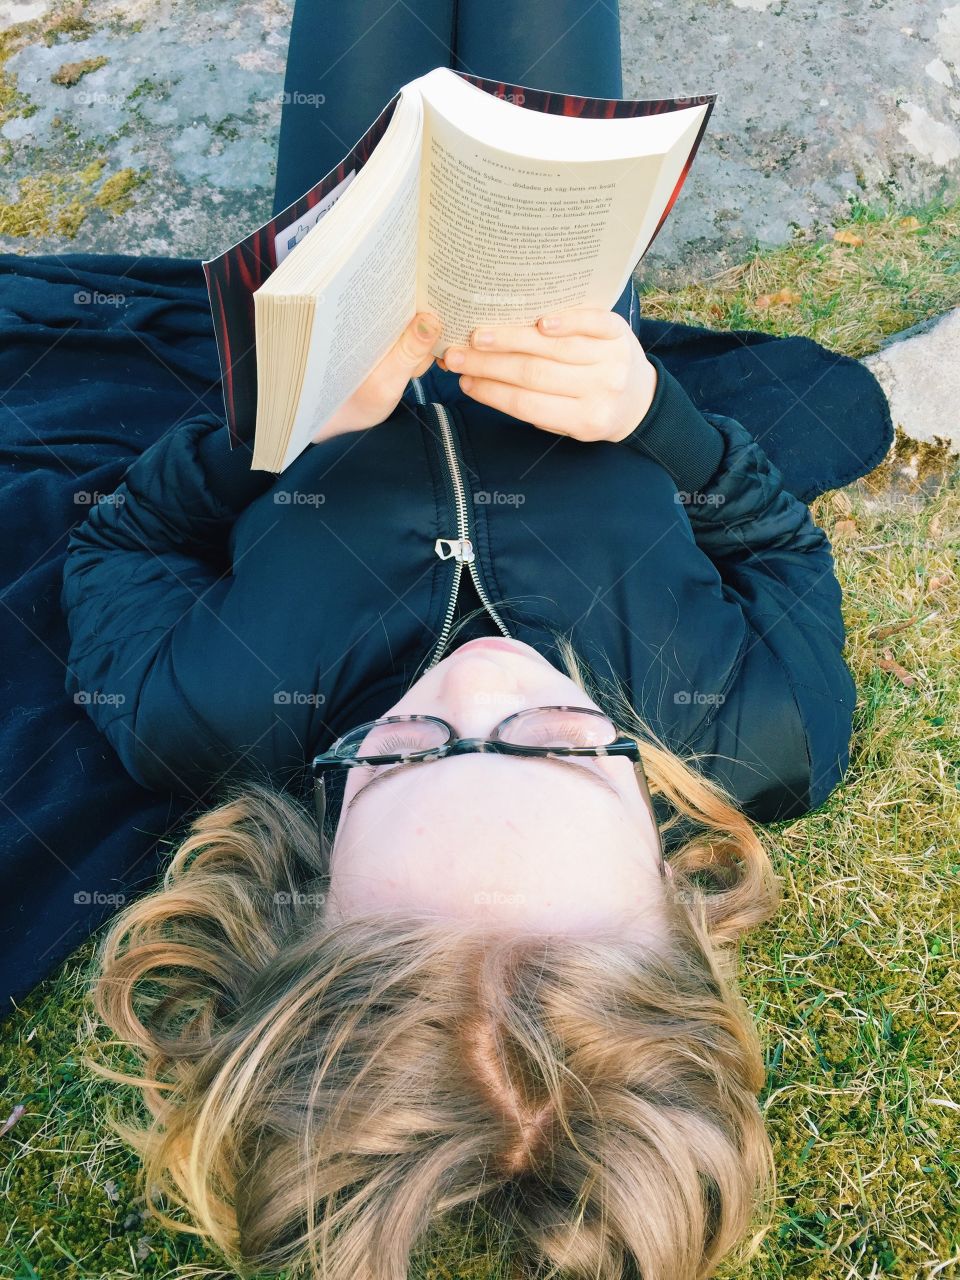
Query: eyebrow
x,y
584,771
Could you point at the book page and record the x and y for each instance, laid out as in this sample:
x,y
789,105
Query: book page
x,y
362,312
504,237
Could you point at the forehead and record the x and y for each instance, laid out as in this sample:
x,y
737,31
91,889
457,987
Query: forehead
x,y
561,852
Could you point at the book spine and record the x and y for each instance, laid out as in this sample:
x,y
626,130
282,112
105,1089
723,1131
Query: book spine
x,y
234,277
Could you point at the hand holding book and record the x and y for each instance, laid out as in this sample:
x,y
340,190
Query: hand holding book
x,y
380,392
579,373
483,202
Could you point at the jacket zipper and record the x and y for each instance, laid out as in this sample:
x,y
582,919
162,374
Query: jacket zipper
x,y
459,548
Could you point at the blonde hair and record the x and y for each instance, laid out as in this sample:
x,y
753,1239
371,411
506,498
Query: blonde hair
x,y
323,1092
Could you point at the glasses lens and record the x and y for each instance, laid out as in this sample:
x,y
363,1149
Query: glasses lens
x,y
559,727
393,737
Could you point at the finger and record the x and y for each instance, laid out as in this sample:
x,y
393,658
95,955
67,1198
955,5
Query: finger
x,y
572,349
409,357
413,345
559,414
531,372
591,322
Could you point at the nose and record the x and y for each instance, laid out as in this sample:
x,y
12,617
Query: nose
x,y
480,690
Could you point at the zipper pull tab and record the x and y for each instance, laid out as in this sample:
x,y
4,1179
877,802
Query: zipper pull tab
x,y
459,549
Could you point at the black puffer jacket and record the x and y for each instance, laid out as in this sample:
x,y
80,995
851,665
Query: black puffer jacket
x,y
226,621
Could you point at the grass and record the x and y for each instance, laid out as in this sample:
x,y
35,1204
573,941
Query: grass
x,y
845,295
855,985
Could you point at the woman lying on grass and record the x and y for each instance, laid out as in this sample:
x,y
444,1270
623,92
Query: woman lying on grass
x,y
504,968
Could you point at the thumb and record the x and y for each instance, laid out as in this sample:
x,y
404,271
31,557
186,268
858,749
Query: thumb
x,y
414,344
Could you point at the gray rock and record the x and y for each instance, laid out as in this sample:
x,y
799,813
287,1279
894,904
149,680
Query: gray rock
x,y
819,105
920,373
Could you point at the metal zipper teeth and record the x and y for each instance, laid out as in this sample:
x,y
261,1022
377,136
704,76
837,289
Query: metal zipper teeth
x,y
464,535
463,539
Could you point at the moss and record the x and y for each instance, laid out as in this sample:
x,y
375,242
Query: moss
x,y
144,89
114,195
224,129
92,172
11,100
60,203
70,218
30,214
70,73
72,24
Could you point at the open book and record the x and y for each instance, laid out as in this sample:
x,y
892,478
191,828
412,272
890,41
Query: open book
x,y
482,201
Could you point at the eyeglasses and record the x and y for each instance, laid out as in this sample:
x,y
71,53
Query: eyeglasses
x,y
535,731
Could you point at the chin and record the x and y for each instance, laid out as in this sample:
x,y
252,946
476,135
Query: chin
x,y
497,644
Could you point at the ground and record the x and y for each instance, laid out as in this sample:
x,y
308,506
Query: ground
x,y
840,117
178,102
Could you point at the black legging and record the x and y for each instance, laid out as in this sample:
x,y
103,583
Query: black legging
x,y
358,53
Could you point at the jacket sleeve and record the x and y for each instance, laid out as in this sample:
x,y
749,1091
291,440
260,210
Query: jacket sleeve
x,y
777,734
147,567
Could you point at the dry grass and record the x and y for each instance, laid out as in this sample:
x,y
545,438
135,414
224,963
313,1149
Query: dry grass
x,y
847,296
856,985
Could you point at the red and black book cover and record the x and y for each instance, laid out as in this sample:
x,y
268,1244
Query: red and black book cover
x,y
233,277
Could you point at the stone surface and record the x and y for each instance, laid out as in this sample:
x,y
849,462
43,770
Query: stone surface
x,y
819,104
920,374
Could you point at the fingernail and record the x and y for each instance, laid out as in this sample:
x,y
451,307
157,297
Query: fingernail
x,y
549,322
466,383
454,358
483,338
424,328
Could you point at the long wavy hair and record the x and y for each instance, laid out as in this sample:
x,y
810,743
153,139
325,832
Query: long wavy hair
x,y
322,1093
